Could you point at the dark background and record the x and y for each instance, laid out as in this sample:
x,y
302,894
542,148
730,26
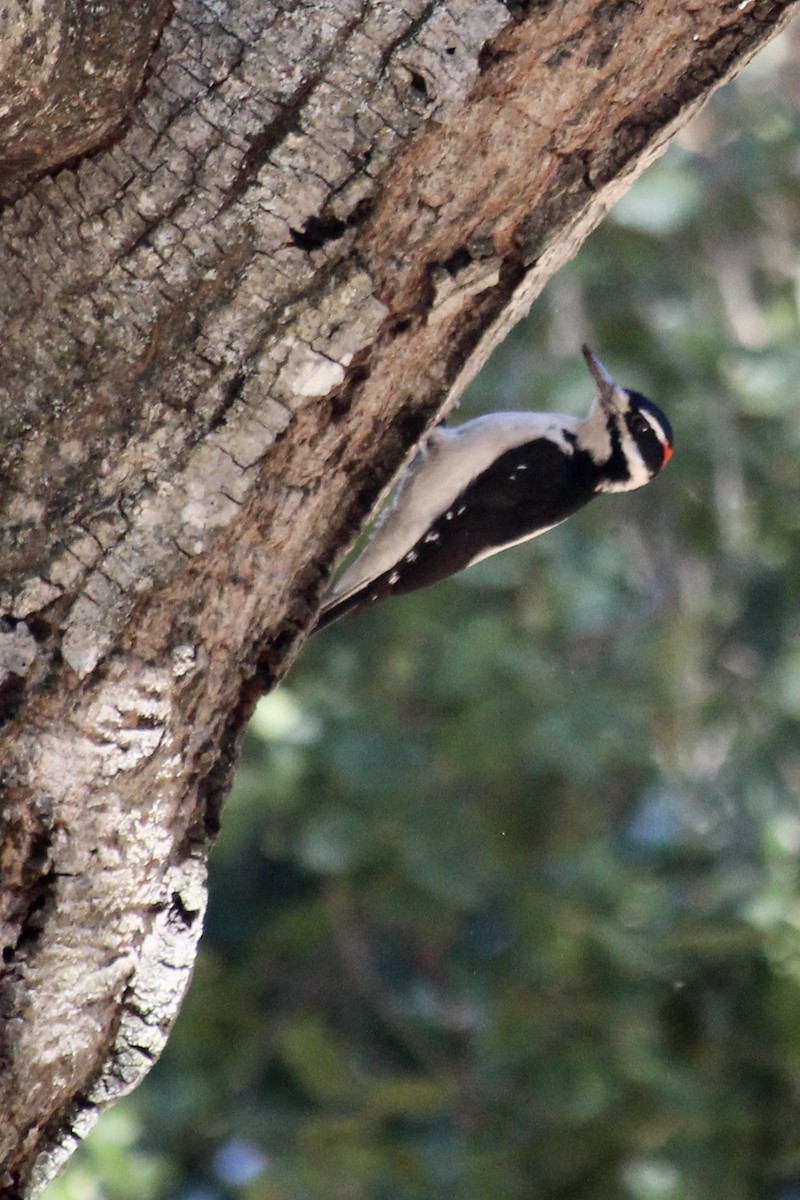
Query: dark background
x,y
505,902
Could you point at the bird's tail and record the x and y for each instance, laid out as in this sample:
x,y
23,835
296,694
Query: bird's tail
x,y
342,606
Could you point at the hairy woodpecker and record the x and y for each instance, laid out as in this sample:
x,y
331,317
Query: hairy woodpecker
x,y
499,480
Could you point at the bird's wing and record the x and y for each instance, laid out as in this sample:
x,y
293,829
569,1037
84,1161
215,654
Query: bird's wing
x,y
446,463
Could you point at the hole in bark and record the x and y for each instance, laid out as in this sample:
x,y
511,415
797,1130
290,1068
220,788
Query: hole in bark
x,y
520,8
8,954
187,916
339,407
418,84
458,260
410,426
12,694
488,56
317,231
29,934
361,211
39,628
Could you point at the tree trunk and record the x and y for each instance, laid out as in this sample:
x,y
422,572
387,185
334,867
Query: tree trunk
x,y
223,331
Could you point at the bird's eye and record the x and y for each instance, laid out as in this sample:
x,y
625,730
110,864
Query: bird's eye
x,y
638,424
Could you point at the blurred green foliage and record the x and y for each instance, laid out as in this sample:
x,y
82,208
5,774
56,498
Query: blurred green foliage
x,y
506,899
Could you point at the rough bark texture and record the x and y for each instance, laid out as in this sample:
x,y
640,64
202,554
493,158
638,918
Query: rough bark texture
x,y
221,334
70,72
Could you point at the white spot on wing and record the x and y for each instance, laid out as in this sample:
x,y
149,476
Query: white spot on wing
x,y
449,460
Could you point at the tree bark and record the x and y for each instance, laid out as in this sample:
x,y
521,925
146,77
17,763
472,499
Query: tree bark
x,y
70,73
223,331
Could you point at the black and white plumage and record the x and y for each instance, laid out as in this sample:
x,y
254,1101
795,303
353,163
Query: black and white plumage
x,y
499,480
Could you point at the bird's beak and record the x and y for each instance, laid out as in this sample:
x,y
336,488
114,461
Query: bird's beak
x,y
608,390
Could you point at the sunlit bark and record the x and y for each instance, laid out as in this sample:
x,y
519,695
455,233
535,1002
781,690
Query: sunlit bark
x,y
223,330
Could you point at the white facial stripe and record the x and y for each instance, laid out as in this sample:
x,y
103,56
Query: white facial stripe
x,y
639,472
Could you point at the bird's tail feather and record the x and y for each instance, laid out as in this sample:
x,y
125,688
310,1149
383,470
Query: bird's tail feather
x,y
339,607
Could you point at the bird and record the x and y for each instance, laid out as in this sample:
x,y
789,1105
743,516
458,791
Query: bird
x,y
475,489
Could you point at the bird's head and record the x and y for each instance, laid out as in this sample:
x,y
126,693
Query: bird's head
x,y
627,436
